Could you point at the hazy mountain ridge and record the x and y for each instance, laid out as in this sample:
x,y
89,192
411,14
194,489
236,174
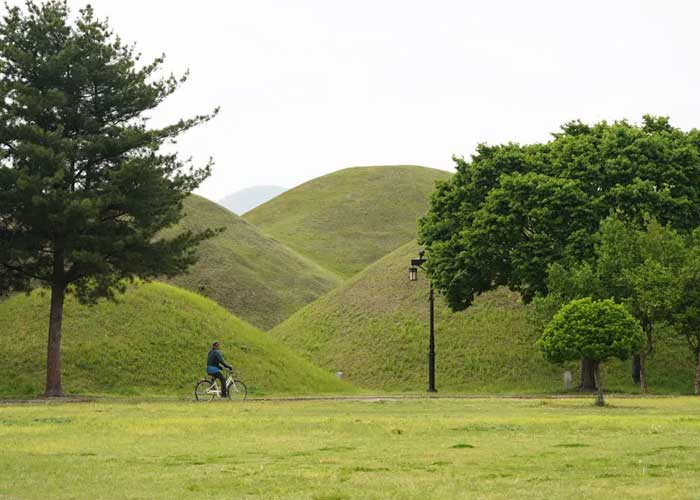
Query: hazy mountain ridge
x,y
247,199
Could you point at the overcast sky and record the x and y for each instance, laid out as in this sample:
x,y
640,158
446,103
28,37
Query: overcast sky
x,y
309,87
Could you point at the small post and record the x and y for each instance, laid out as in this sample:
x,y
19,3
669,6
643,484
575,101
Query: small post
x,y
567,380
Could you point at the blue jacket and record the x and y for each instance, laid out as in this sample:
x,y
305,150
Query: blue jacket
x,y
214,362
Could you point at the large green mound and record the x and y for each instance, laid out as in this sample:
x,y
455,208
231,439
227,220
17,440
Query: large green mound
x,y
252,275
350,218
154,341
375,329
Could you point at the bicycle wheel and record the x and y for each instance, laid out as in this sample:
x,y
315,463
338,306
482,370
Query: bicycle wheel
x,y
237,391
203,391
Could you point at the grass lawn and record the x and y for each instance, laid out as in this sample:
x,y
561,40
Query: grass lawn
x,y
441,448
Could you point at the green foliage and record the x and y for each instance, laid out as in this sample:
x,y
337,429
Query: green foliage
x,y
640,268
514,210
686,315
653,271
83,186
254,276
640,265
152,341
346,220
374,328
591,329
637,267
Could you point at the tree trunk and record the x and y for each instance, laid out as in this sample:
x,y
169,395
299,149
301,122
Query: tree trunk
x,y
53,351
587,376
635,369
642,373
697,372
647,328
599,400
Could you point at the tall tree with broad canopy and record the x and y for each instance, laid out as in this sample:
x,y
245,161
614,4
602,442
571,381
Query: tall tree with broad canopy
x,y
84,188
514,210
591,329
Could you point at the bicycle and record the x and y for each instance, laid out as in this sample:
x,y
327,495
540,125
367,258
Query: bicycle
x,y
206,389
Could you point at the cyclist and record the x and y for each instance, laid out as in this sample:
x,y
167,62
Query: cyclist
x,y
214,362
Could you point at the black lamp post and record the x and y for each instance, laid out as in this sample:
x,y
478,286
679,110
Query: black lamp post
x,y
413,276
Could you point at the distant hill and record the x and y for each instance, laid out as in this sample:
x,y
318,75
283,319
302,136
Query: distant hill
x,y
374,328
350,218
257,278
154,341
246,199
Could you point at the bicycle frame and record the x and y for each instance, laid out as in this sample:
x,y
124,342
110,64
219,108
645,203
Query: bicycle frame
x,y
230,385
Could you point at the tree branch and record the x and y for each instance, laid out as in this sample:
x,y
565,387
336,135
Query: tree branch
x,y
19,270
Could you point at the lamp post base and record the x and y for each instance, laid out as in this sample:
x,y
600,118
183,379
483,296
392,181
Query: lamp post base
x,y
432,390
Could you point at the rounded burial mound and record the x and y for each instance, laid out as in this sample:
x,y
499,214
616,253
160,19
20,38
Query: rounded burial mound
x,y
257,278
154,340
350,218
375,329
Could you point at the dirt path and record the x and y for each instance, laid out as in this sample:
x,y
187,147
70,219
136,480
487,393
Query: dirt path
x,y
291,399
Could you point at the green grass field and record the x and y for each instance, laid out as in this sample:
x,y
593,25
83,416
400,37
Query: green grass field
x,y
153,341
410,449
348,219
257,278
374,328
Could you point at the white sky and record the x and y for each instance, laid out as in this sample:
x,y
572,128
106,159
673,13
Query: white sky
x,y
309,87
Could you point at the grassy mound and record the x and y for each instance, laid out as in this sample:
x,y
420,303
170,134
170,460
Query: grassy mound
x,y
250,274
375,329
350,218
154,341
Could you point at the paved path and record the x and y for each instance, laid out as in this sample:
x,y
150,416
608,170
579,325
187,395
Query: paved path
x,y
366,398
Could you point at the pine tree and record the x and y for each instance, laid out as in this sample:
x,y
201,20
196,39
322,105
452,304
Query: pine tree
x,y
84,186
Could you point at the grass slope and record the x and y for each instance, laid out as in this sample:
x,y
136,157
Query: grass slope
x,y
252,275
375,329
155,340
350,218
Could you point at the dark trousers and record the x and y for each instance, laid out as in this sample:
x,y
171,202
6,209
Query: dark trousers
x,y
221,378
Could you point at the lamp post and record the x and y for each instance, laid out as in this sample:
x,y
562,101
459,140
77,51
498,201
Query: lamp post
x,y
413,276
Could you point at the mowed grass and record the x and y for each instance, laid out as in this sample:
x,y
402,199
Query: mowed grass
x,y
257,278
374,328
415,449
348,219
154,340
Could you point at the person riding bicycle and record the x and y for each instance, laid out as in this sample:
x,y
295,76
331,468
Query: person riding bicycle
x,y
214,362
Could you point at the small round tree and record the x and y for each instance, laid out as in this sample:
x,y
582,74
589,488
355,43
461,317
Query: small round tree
x,y
592,329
